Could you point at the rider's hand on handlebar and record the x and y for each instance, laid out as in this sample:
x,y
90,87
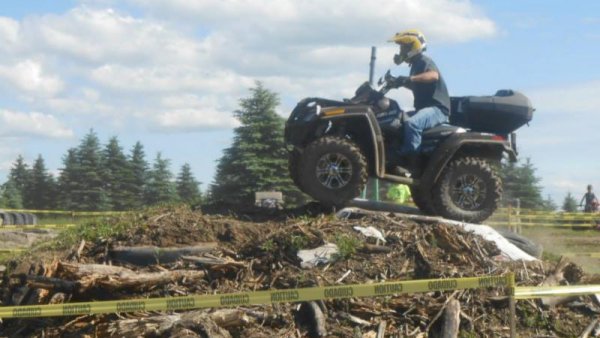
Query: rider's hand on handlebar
x,y
401,81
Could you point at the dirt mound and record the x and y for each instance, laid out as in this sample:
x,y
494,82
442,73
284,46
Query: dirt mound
x,y
248,255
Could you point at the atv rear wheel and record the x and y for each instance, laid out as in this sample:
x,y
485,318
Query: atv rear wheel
x,y
468,190
333,170
422,201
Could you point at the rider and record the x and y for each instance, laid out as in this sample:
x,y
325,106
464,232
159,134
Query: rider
x,y
431,99
590,200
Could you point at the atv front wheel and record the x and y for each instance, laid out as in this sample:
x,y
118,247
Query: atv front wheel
x,y
294,159
468,190
334,170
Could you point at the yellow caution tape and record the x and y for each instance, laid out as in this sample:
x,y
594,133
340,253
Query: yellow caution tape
x,y
36,226
71,213
582,254
548,214
257,297
541,224
549,291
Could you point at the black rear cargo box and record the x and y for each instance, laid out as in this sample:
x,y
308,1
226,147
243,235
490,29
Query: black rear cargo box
x,y
502,113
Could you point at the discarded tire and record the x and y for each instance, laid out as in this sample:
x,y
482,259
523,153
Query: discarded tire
x,y
18,218
523,243
29,219
6,218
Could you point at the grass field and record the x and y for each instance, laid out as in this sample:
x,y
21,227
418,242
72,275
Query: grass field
x,y
558,241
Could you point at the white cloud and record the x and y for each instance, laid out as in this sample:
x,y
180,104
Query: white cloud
x,y
19,125
104,62
346,22
579,99
189,112
30,77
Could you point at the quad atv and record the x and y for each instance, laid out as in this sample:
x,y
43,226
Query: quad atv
x,y
335,146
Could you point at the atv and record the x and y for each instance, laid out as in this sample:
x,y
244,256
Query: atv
x,y
335,146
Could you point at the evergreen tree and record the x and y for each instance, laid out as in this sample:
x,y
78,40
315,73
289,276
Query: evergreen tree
x,y
187,186
68,181
549,204
520,181
11,197
160,188
257,159
40,190
117,174
139,175
90,176
19,175
569,203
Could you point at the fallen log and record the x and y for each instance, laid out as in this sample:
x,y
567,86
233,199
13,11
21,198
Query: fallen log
x,y
212,324
371,248
150,255
451,319
556,278
49,283
213,262
115,278
588,330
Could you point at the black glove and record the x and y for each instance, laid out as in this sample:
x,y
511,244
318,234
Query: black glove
x,y
402,81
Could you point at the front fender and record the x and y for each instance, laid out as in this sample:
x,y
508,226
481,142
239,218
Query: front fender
x,y
361,124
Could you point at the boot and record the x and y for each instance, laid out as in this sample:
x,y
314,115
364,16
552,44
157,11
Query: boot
x,y
408,166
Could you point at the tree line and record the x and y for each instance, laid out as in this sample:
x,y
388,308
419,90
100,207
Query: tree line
x,y
98,177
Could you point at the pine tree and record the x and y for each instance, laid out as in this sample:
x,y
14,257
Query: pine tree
x,y
11,197
89,177
139,175
117,173
40,189
569,203
187,186
257,159
19,175
549,204
160,188
68,181
520,181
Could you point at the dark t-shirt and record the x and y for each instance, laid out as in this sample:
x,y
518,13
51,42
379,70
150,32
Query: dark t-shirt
x,y
429,94
589,198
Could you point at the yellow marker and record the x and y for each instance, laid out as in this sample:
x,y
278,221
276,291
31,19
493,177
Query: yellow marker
x,y
334,111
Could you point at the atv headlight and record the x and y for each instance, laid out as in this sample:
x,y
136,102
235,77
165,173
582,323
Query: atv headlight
x,y
383,103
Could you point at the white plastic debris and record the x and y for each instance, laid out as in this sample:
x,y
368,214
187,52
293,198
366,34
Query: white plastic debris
x,y
321,255
370,232
508,249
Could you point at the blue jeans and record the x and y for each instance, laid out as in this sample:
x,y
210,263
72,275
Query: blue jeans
x,y
418,121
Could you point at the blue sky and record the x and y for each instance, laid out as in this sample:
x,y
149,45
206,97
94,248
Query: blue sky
x,y
170,73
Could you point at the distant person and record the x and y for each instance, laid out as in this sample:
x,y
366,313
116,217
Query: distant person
x,y
591,202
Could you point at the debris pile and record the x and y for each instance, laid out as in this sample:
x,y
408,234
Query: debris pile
x,y
176,252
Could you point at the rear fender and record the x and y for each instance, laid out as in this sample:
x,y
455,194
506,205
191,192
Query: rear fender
x,y
464,144
361,125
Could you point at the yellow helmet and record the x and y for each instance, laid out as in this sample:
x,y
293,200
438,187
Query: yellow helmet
x,y
412,42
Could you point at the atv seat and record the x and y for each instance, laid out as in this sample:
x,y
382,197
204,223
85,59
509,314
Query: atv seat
x,y
440,131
